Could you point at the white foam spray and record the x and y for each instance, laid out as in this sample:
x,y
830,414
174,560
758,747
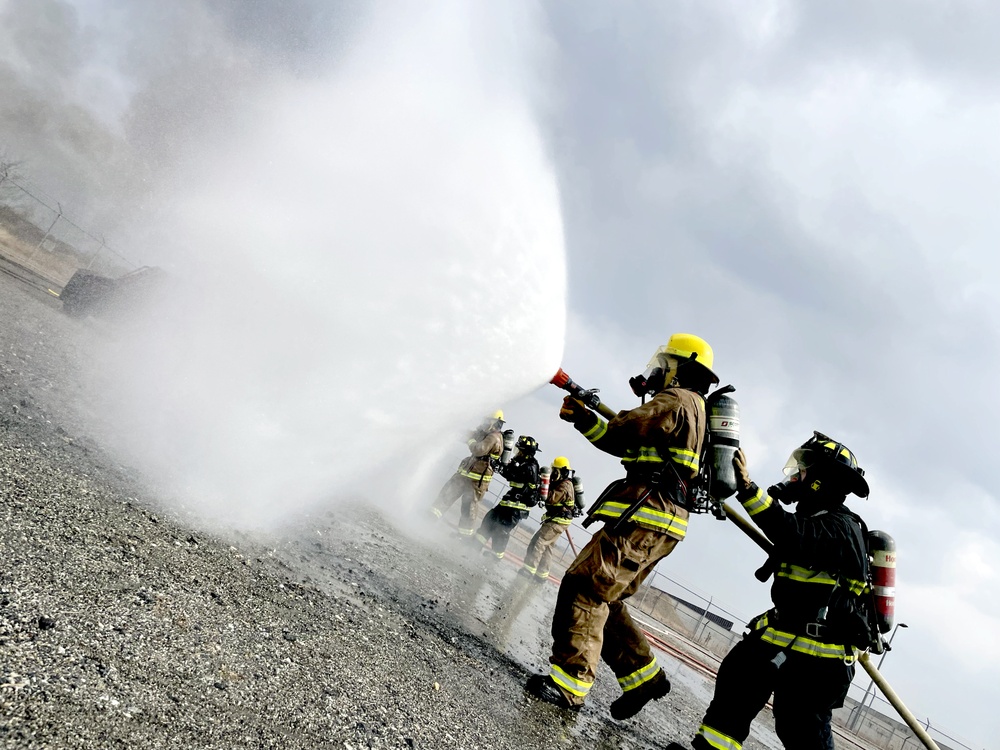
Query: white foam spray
x,y
371,262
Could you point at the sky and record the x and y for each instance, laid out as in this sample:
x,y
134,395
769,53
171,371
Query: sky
x,y
806,185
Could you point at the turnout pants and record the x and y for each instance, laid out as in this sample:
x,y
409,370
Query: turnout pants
x,y
471,491
496,527
591,620
538,558
806,690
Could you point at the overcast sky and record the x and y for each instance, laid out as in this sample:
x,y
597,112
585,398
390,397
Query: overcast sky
x,y
809,186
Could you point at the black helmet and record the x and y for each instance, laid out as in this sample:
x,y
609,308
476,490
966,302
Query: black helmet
x,y
527,444
827,454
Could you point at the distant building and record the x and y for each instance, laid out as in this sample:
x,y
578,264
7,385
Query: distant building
x,y
722,622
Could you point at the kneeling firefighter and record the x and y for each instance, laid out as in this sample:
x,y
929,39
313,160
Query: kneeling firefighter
x,y
472,478
803,649
523,477
562,505
646,514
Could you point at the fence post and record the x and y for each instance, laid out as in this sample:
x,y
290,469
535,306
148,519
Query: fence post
x,y
96,253
47,232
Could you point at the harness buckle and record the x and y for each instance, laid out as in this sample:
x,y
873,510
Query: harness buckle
x,y
815,629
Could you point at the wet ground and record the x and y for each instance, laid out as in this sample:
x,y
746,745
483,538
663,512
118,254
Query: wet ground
x,y
124,624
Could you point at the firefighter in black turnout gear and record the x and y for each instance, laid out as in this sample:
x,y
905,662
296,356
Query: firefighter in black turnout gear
x,y
522,477
803,649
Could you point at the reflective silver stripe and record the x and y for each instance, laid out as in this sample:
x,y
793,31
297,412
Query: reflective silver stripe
x,y
597,431
760,501
717,739
639,677
885,591
808,646
562,679
646,516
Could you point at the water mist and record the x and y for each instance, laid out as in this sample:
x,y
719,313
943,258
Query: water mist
x,y
366,264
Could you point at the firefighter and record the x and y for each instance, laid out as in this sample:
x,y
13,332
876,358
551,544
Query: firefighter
x,y
561,507
660,444
522,476
803,649
473,476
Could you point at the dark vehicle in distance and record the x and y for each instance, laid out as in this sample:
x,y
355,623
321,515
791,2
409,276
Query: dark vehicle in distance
x,y
88,293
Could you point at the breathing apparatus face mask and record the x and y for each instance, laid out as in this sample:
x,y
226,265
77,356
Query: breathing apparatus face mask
x,y
797,483
659,373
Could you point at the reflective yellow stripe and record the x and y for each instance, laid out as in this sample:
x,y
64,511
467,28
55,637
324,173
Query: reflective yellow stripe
x,y
466,532
805,575
856,587
639,677
685,457
474,475
512,504
558,520
717,739
529,568
573,685
808,646
597,431
646,516
436,512
482,539
646,455
642,455
760,501
516,485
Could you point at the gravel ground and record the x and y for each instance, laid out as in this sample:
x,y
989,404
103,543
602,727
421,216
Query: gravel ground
x,y
122,624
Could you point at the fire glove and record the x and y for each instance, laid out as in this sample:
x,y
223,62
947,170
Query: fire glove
x,y
575,412
743,481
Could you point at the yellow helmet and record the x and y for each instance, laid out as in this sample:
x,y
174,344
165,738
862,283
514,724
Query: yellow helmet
x,y
688,346
560,462
498,414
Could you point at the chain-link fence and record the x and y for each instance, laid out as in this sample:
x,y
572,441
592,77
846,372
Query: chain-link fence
x,y
705,630
39,235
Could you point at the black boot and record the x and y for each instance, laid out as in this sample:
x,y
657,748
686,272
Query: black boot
x,y
631,702
541,686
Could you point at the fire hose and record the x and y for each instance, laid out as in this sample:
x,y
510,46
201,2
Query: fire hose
x,y
589,399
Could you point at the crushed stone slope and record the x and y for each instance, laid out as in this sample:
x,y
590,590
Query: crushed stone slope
x,y
124,625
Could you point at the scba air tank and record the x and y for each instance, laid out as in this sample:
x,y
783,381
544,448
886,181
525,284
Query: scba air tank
x,y
578,491
543,482
882,549
724,426
508,446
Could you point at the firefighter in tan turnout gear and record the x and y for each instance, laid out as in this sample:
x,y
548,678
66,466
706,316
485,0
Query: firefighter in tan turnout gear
x,y
472,479
660,445
561,507
803,649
